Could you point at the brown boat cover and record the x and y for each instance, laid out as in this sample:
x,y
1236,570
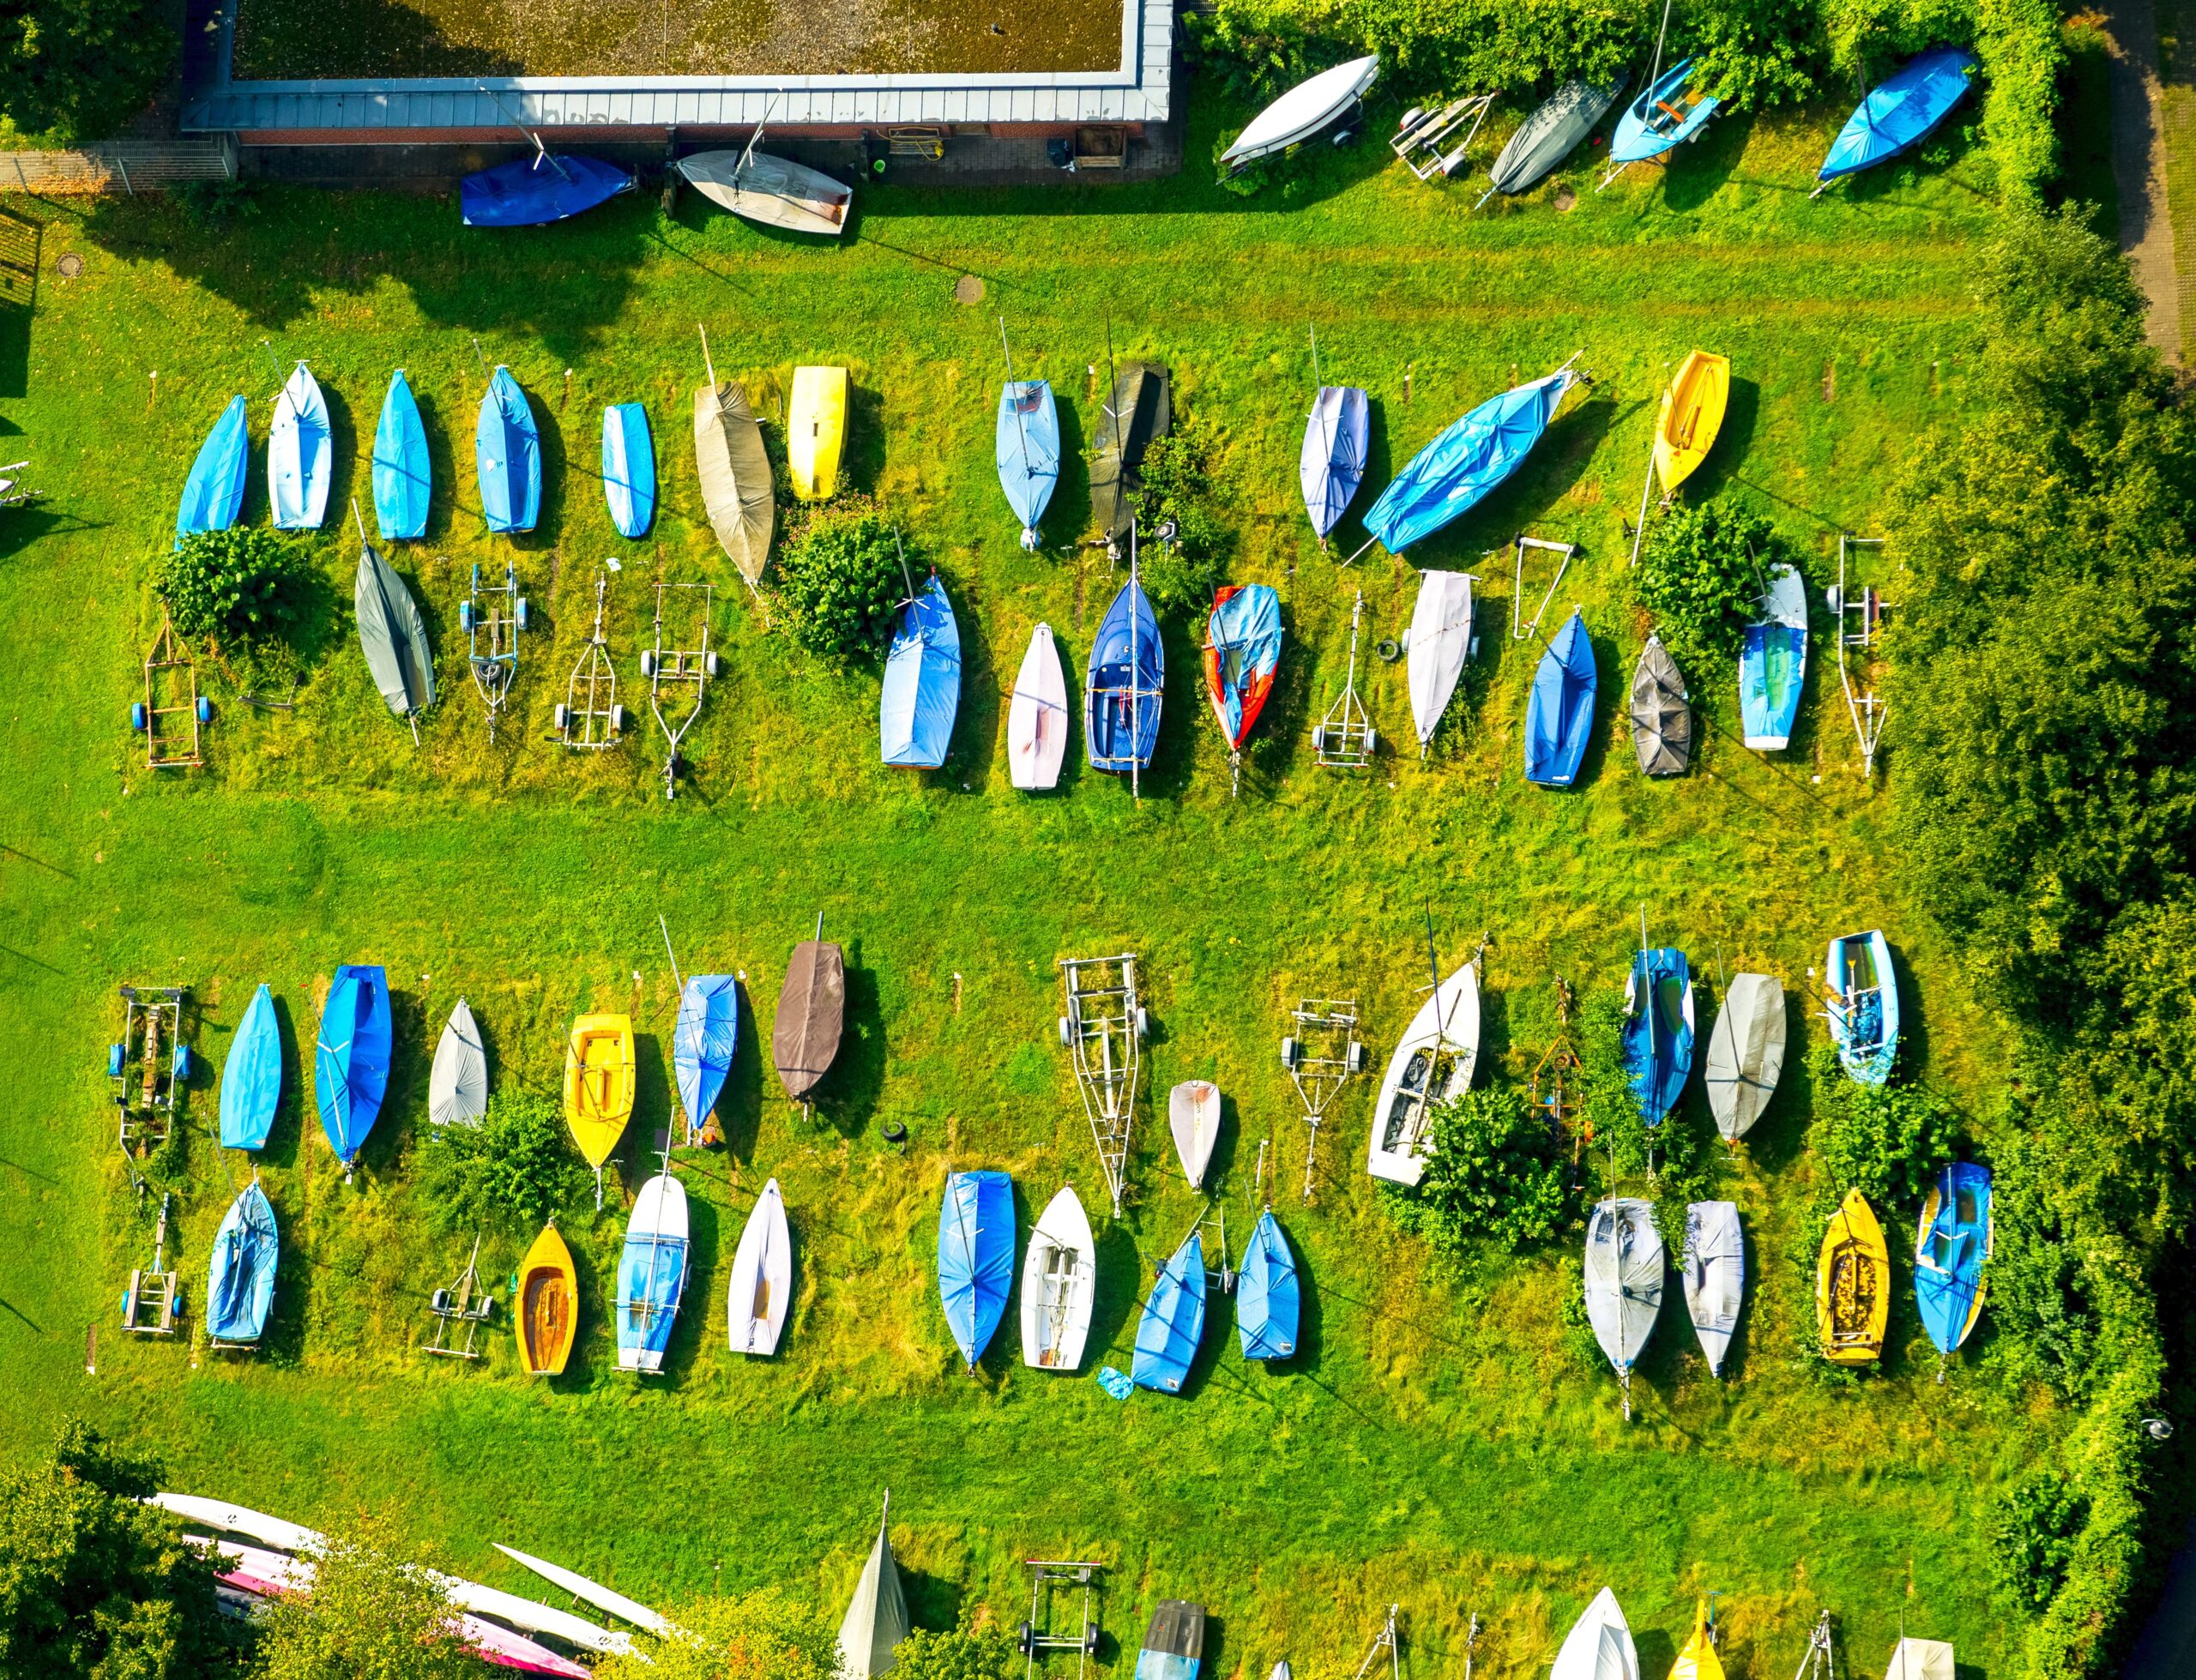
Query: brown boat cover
x,y
812,1015
735,475
1142,408
1662,718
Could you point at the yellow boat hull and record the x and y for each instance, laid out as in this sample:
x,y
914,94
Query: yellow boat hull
x,y
598,1084
546,1312
1693,414
816,431
1698,1661
1853,1284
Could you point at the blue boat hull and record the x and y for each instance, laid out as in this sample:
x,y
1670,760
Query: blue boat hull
x,y
1901,112
1864,1005
1172,1325
628,469
507,453
240,1280
1953,1247
1647,129
702,1041
1457,470
403,479
213,495
921,694
1123,692
526,192
1560,716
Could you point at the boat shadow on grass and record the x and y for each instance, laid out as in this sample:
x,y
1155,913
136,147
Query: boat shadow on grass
x,y
1734,442
1117,1301
739,1104
690,1333
846,1098
1698,168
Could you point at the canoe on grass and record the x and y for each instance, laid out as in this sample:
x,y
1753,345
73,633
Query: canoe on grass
x,y
1560,716
1746,1053
526,192
507,457
976,1258
1951,1247
1861,1000
1332,464
1242,650
1853,1284
1457,470
816,431
702,1042
1267,1297
240,1281
735,473
1139,410
1598,1644
1193,1116
1125,687
213,495
1433,1063
811,1015
1773,662
393,636
762,1277
1174,1645
1037,716
1623,1279
299,454
252,1078
1673,110
547,1308
592,1593
1662,713
1301,112
652,1271
350,1065
599,1085
1658,1030
1714,1276
1027,450
921,692
628,469
457,1086
1440,642
1901,110
403,477
1060,1284
1172,1324
1550,134
770,190
1691,416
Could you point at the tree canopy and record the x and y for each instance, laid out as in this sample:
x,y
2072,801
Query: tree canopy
x,y
78,69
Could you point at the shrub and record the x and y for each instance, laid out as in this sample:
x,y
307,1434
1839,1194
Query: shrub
x,y
2033,1524
969,1652
510,1171
242,586
842,583
765,1635
1700,572
1885,1141
369,1615
1178,485
1493,1172
215,204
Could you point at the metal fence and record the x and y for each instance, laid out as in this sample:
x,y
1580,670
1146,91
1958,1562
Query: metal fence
x,y
122,165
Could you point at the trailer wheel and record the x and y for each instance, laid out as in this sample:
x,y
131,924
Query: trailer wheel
x,y
710,664
564,719
617,720
1318,737
1354,1058
1025,1639
205,709
1143,1023
647,662
1090,1641
1067,1037
137,715
1288,1054
464,617
519,616
1372,740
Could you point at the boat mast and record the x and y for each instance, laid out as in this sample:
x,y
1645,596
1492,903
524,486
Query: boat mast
x,y
1655,74
541,154
1326,422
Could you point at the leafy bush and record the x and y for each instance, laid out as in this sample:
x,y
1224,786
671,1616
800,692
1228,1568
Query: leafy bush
x,y
969,1652
510,1171
2047,1326
765,1635
2033,1524
1493,1172
79,69
1674,1163
1887,1142
215,204
841,582
241,586
1178,485
369,1615
1701,573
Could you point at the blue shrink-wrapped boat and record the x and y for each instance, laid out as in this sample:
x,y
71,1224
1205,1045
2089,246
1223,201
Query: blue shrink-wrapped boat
x,y
1330,465
403,479
507,453
628,469
922,683
1028,449
1126,684
1658,1030
350,1064
1900,111
240,1281
251,1079
976,1258
213,495
1453,474
1560,716
1172,1324
1267,1303
702,1041
546,187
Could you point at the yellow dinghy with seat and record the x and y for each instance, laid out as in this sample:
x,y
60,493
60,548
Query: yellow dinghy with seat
x,y
816,431
548,1305
1853,1284
1698,1661
598,1087
1692,411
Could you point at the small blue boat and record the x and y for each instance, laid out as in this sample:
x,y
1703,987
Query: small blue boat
x,y
976,1258
628,469
1773,662
702,1042
240,1282
1950,1252
1900,111
251,1079
1330,465
1658,1030
1172,1324
301,454
922,683
403,479
350,1065
213,495
507,450
1454,472
1670,110
1029,451
1266,1298
1560,717
652,1272
546,187
1126,684
1862,1005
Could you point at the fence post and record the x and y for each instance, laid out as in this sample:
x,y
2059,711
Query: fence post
x,y
123,164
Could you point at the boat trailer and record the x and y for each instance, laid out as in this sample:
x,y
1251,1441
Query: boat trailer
x,y
1036,1635
1322,1054
1104,1029
491,617
1860,623
466,1302
153,1304
1344,739
170,693
678,675
591,718
1520,631
146,1064
1422,140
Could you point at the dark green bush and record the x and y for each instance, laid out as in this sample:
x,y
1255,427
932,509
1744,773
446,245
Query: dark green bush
x,y
1887,1142
967,1652
1701,572
1494,1173
1178,485
240,586
79,69
508,1173
842,584
2033,1524
215,204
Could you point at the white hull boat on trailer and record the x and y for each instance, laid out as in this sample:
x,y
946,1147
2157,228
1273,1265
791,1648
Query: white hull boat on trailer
x,y
1440,642
762,1277
1714,1276
1193,1115
1059,1284
1598,1644
1431,1065
588,1592
774,191
1037,716
1301,112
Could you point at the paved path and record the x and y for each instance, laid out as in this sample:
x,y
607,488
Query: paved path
x,y
2139,165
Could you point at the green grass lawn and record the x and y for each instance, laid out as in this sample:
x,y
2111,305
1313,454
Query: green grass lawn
x,y
1443,1443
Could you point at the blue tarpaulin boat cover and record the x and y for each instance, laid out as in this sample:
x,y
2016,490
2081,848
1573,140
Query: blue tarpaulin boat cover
x,y
507,450
1029,451
1266,1300
1655,121
651,1275
350,1063
1901,110
403,479
975,1258
922,683
628,469
545,188
1560,717
1948,1261
702,1042
1331,463
1452,474
1658,1030
1122,694
1172,1324
1242,650
240,1282
213,494
251,1079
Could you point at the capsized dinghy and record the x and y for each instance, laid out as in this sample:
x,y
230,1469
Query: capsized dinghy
x,y
1242,650
1174,1645
1433,1063
547,1308
811,1015
976,1258
1193,1116
1598,1644
816,431
1549,135
1267,1301
1172,1324
1861,1003
251,1079
1027,450
628,469
1624,1282
1037,716
548,187
1140,408
1658,1030
1440,642
1125,689
735,473
1691,416
1746,1053
1454,472
1301,112
762,1277
403,477
1714,1276
350,1066
240,1282
457,1086
1674,108
652,1273
299,454
921,694
702,1041
1853,1284
1662,713
213,495
1901,110
394,638
1332,464
1059,1284
1560,716
1773,662
770,190
598,1087
507,457
1951,1247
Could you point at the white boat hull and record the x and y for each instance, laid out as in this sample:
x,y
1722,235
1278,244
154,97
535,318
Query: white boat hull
x,y
1037,716
1059,1284
1193,1115
762,1277
1433,1063
776,192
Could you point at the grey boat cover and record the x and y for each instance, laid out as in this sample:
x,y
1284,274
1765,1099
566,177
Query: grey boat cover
x,y
1746,1053
1624,1277
458,1089
1661,714
1140,409
1177,1629
735,475
812,1015
1546,138
1714,1276
876,1618
393,636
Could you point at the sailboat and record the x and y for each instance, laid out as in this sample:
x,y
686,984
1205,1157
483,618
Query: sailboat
x,y
772,191
1028,446
1672,108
